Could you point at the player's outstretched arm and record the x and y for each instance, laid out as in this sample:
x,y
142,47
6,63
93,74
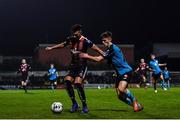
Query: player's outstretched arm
x,y
94,58
136,70
163,64
97,49
61,45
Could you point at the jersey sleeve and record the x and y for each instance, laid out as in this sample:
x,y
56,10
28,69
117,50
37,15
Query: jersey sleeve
x,y
108,53
89,43
19,69
29,68
150,64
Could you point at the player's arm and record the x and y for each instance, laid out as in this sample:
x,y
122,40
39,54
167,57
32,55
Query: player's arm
x,y
48,73
94,58
19,70
57,74
30,70
162,64
97,49
150,69
61,45
137,70
93,47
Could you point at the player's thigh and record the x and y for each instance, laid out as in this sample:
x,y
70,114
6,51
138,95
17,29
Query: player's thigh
x,y
143,77
161,77
78,80
154,79
69,78
122,86
22,82
25,83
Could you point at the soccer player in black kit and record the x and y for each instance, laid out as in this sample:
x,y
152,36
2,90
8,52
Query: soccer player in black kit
x,y
78,44
24,69
142,71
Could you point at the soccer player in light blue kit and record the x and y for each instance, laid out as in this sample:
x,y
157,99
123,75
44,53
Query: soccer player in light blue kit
x,y
115,57
157,72
53,75
167,78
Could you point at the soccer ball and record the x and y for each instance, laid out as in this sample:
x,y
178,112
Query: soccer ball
x,y
57,107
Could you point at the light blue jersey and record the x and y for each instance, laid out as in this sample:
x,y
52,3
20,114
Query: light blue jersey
x,y
115,56
155,66
53,75
166,74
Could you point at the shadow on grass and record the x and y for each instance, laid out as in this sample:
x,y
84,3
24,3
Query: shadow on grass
x,y
115,110
29,93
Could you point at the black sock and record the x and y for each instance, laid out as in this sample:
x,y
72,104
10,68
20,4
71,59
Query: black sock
x,y
70,90
81,93
25,89
154,86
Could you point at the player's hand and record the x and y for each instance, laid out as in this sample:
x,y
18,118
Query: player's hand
x,y
82,37
48,48
83,55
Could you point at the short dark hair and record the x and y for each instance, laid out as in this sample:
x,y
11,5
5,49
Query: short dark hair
x,y
76,27
106,34
153,54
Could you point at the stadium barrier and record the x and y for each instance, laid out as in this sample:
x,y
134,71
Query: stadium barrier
x,y
93,79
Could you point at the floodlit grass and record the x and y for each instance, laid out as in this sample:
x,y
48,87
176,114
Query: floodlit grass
x,y
102,103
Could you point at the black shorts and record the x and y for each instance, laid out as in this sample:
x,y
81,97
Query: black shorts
x,y
142,72
125,77
53,81
25,78
78,71
166,79
156,76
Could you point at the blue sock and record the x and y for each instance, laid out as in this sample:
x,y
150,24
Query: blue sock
x,y
125,99
168,84
165,84
52,86
130,95
162,84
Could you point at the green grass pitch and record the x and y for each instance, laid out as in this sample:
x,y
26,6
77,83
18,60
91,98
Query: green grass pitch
x,y
102,103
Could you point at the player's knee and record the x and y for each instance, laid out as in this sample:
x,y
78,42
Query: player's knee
x,y
121,90
68,78
78,80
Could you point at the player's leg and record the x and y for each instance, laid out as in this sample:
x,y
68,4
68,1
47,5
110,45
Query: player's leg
x,y
81,93
70,91
52,84
141,82
25,86
144,81
154,81
168,84
126,96
23,83
121,90
26,83
55,84
162,82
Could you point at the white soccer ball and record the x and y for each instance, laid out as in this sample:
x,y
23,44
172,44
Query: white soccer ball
x,y
57,107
